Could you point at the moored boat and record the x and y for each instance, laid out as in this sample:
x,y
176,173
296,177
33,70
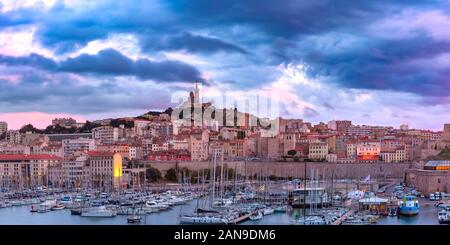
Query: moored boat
x,y
134,219
444,216
256,216
203,220
409,206
57,207
99,211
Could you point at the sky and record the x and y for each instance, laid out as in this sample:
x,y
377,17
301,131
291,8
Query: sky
x,y
373,62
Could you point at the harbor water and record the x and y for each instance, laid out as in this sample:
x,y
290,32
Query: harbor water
x,y
21,215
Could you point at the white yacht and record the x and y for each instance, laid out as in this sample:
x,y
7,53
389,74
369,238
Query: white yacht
x,y
444,216
153,206
49,203
256,216
100,211
268,211
203,219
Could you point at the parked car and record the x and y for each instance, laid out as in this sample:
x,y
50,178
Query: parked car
x,y
432,198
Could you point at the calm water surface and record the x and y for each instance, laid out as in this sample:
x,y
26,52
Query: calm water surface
x,y
23,216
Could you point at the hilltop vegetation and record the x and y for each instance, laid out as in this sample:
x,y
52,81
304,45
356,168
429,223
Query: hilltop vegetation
x,y
443,155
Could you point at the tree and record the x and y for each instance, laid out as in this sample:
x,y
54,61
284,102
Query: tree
x,y
171,175
273,177
29,128
117,122
88,126
292,152
152,174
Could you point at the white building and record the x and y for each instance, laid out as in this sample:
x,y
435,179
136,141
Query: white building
x,y
318,151
368,151
3,127
106,134
71,146
13,137
18,171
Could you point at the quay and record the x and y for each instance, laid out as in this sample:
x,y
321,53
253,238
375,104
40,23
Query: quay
x,y
342,218
240,219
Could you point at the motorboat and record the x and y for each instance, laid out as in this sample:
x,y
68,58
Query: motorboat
x,y
444,216
256,216
134,219
99,211
409,206
49,203
57,207
65,200
75,211
309,220
268,211
203,220
280,209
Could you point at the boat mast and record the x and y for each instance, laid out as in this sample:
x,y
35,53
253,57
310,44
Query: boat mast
x,y
213,177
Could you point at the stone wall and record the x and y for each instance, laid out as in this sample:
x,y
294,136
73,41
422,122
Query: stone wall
x,y
429,181
297,169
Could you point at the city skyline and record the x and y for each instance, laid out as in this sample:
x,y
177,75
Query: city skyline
x,y
377,63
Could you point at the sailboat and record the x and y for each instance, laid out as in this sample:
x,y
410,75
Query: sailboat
x,y
207,216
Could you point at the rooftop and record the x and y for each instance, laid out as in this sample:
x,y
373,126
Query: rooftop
x,y
23,157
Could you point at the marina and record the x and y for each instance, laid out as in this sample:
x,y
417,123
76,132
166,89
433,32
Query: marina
x,y
218,198
170,207
21,215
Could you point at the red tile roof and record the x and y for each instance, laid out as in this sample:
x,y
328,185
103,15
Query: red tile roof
x,y
23,157
100,153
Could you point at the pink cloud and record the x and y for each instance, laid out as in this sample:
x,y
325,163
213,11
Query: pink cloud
x,y
16,120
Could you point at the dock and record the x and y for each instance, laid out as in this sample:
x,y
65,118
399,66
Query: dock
x,y
240,219
342,218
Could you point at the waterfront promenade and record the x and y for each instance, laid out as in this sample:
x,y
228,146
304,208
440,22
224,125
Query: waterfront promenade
x,y
297,169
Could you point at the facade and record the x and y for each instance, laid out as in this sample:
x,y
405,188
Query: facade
x,y
122,149
105,170
180,143
318,151
106,134
359,131
13,137
25,171
368,151
171,155
135,152
434,177
64,122
71,146
74,172
395,155
343,125
351,150
233,149
198,145
446,132
3,127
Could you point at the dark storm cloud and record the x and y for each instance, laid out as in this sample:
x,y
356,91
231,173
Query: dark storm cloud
x,y
191,43
36,90
64,29
34,60
289,17
16,18
112,63
382,65
309,32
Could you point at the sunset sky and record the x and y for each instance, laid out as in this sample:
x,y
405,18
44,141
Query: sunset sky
x,y
373,62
